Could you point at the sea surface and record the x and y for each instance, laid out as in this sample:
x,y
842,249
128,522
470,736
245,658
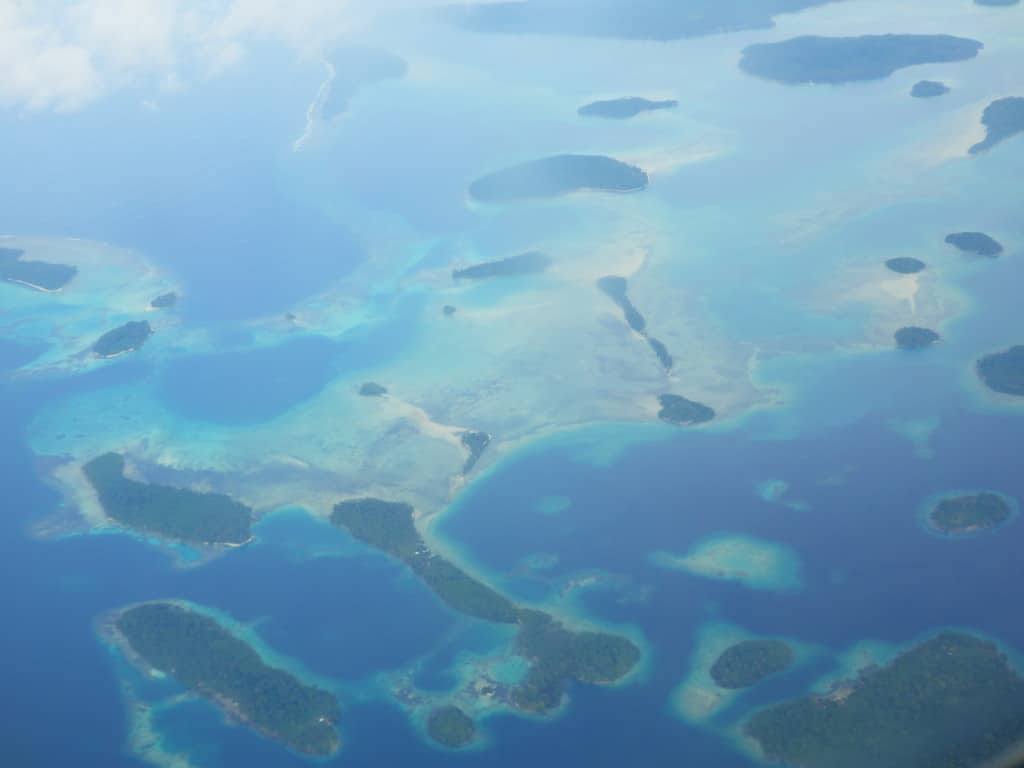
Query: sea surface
x,y
858,438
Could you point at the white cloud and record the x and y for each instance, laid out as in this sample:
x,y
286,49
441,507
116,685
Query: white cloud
x,y
63,54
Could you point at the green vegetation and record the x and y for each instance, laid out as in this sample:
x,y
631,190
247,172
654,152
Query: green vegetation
x,y
557,655
40,275
125,338
1004,371
373,389
164,301
928,89
616,288
451,727
952,701
977,243
476,443
1002,118
558,175
905,265
529,263
913,337
173,513
834,60
964,514
624,109
749,662
205,657
389,526
676,409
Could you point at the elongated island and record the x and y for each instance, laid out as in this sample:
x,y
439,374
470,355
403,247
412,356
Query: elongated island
x,y
125,338
179,514
748,662
39,275
198,651
969,513
558,175
557,654
529,263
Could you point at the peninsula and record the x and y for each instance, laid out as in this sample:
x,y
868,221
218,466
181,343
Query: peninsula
x,y
125,338
624,109
40,275
558,175
953,701
1004,371
172,513
970,513
749,662
1002,119
528,263
207,658
556,654
835,60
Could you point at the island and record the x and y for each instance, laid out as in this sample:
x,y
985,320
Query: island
x,y
38,275
373,389
180,514
208,659
905,265
558,175
928,89
912,337
1004,371
976,243
835,60
749,662
953,700
996,3
451,727
353,68
676,409
123,339
660,20
448,310
624,109
1002,119
529,263
476,443
164,301
969,513
616,288
557,655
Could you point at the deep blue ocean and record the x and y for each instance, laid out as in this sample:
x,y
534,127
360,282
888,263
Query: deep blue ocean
x,y
249,230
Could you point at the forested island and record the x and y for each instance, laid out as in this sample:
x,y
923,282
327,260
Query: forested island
x,y
205,657
557,655
624,109
969,513
913,337
372,389
1002,119
558,175
529,263
125,338
622,19
174,513
40,275
928,89
676,409
451,727
476,443
952,701
749,662
1004,371
976,243
834,60
616,288
164,301
905,265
